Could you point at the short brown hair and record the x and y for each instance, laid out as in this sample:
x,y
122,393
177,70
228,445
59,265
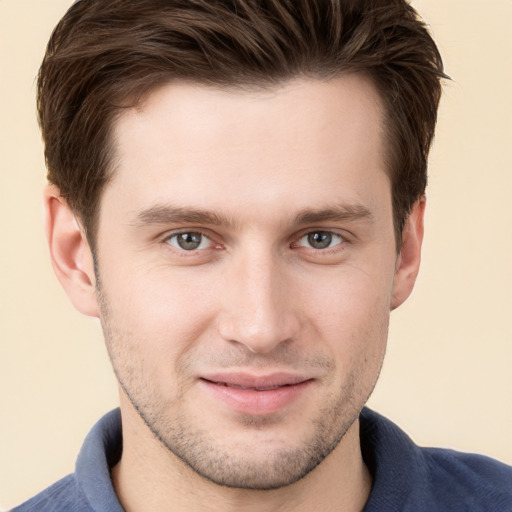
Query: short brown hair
x,y
105,55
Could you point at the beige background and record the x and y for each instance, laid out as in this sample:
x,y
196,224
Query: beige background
x,y
447,379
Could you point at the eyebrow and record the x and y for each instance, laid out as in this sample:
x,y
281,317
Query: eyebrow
x,y
337,213
168,214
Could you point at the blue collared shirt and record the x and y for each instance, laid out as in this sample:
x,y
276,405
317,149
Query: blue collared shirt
x,y
406,478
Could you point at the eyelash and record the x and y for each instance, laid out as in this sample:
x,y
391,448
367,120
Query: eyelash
x,y
212,245
331,234
180,250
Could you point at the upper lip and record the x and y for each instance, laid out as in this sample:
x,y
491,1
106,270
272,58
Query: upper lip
x,y
244,380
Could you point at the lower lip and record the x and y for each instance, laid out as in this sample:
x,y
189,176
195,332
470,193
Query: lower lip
x,y
254,402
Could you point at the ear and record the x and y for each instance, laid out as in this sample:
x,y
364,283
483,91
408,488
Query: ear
x,y
408,261
70,253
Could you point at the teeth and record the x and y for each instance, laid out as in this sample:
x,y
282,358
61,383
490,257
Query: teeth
x,y
270,388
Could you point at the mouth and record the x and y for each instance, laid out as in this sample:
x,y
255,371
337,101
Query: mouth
x,y
255,388
256,395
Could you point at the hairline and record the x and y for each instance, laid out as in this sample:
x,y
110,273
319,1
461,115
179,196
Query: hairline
x,y
137,100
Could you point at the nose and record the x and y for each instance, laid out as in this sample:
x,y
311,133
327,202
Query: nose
x,y
258,308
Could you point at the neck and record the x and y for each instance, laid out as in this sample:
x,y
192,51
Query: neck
x,y
149,477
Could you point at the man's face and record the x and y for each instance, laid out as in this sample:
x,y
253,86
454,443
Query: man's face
x,y
246,261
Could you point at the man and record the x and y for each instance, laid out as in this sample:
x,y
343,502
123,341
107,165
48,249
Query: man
x,y
237,192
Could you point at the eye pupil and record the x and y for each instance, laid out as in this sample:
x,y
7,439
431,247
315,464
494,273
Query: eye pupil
x,y
320,239
189,241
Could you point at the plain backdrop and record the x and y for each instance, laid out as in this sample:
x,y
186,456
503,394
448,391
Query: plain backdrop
x,y
447,379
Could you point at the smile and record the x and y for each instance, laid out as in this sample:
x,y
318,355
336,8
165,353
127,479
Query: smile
x,y
268,388
255,395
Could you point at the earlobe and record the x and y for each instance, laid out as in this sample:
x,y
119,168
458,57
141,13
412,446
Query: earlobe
x,y
408,261
70,253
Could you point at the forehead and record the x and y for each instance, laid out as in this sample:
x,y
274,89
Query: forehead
x,y
198,146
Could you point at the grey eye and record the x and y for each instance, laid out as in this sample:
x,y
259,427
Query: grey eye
x,y
320,240
189,241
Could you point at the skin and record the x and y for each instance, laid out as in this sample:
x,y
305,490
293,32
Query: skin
x,y
253,177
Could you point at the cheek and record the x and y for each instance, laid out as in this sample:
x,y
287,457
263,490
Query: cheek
x,y
353,316
155,317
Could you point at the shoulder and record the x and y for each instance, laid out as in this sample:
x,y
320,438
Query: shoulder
x,y
477,480
61,496
410,478
89,488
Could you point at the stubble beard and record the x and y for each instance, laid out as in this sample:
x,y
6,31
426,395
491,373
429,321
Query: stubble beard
x,y
238,468
201,452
